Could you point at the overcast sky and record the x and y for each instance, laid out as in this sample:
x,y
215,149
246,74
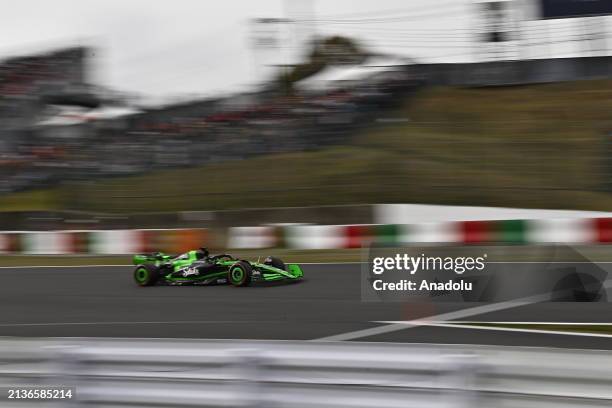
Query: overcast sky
x,y
161,48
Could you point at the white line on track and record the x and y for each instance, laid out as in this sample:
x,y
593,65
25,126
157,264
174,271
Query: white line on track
x,y
534,323
301,263
504,329
124,323
471,311
128,265
61,266
549,262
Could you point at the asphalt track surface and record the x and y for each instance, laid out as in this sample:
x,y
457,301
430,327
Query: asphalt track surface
x,y
104,302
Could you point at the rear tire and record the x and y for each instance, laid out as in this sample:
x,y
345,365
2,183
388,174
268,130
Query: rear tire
x,y
146,275
275,262
239,274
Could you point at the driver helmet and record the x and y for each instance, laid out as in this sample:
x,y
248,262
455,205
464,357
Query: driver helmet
x,y
202,253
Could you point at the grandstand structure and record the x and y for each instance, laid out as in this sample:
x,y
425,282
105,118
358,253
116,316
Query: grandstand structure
x,y
32,88
60,128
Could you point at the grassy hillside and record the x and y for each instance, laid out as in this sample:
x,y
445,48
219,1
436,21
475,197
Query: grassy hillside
x,y
535,146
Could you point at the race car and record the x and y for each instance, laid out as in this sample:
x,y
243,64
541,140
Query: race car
x,y
198,267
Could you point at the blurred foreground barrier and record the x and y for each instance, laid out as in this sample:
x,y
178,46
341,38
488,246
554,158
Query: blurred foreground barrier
x,y
308,236
292,374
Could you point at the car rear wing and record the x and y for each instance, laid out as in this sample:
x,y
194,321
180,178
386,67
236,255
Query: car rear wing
x,y
140,259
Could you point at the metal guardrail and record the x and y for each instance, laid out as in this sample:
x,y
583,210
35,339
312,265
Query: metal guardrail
x,y
216,373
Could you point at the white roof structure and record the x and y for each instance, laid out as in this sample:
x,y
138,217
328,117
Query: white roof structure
x,y
335,76
76,115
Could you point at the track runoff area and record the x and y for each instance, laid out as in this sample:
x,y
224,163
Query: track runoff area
x,y
335,302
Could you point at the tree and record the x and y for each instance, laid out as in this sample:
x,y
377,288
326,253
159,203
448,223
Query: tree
x,y
336,50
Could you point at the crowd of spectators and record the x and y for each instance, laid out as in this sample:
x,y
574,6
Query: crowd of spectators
x,y
27,85
186,134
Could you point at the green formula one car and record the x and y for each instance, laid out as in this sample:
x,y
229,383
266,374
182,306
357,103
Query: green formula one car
x,y
198,267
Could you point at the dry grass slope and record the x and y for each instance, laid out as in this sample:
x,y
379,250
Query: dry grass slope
x,y
532,146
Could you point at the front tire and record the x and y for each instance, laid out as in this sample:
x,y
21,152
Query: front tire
x,y
146,275
240,273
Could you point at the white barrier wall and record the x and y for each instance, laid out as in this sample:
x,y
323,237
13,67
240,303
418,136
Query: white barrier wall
x,y
116,242
300,374
427,213
47,242
315,236
564,230
251,237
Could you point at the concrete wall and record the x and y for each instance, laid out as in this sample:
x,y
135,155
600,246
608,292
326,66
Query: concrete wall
x,y
502,73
